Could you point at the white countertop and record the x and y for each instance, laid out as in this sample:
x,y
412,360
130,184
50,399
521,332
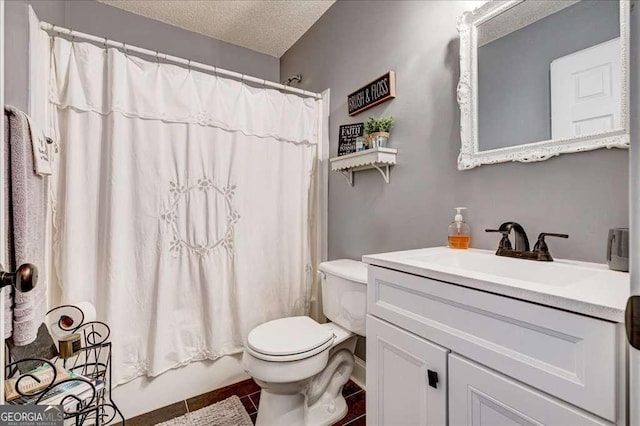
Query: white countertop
x,y
602,294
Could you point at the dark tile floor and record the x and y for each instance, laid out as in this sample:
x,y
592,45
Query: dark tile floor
x,y
249,393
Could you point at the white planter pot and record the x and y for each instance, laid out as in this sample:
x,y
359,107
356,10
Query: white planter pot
x,y
378,139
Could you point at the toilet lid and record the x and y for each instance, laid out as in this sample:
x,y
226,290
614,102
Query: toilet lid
x,y
288,336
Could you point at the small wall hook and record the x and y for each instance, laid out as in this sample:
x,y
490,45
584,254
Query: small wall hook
x,y
294,78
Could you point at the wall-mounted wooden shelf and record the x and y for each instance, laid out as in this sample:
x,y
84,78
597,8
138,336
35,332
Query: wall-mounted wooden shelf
x,y
377,158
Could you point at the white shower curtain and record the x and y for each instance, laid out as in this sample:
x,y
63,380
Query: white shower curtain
x,y
183,204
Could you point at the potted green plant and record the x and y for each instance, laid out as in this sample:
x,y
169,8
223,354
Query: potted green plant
x,y
378,131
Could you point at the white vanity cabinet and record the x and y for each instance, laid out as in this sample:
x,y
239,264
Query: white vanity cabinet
x,y
499,360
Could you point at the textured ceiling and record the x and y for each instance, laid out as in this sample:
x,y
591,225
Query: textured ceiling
x,y
269,27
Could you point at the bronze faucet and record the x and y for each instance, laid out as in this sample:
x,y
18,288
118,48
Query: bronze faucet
x,y
521,251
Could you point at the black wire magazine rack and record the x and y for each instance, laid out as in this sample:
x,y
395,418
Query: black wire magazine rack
x,y
90,365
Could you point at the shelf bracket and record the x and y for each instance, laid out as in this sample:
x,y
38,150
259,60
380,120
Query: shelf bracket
x,y
384,173
347,175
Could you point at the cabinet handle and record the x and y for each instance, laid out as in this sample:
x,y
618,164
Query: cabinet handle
x,y
432,378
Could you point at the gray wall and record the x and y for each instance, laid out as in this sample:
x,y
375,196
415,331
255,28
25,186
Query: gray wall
x,y
581,194
514,97
107,21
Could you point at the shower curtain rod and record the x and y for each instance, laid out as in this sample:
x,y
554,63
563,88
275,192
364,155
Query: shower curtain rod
x,y
190,64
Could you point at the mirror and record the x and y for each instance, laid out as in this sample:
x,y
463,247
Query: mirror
x,y
542,78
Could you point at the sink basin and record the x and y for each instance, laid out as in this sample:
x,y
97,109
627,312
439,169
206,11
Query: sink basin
x,y
546,273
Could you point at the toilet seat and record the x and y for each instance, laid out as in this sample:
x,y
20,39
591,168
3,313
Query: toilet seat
x,y
289,339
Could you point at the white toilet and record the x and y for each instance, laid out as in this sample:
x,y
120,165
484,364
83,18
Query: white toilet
x,y
302,365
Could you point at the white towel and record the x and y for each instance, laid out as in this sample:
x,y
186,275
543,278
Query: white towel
x,y
41,149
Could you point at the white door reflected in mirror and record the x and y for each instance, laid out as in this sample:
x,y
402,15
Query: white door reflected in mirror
x,y
586,91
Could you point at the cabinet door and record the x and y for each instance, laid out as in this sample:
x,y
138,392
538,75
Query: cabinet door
x,y
482,397
399,365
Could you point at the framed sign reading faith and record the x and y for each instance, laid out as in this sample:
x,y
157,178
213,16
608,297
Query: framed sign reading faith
x,y
379,90
347,137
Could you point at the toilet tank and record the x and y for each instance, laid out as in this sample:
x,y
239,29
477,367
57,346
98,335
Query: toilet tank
x,y
344,293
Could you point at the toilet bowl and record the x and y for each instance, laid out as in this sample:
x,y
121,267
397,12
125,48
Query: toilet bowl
x,y
302,365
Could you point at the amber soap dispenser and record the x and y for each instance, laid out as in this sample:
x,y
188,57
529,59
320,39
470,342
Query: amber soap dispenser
x,y
459,231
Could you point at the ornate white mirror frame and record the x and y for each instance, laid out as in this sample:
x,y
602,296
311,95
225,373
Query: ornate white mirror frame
x,y
470,156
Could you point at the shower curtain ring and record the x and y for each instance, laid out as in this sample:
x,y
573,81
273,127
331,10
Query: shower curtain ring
x,y
104,43
189,64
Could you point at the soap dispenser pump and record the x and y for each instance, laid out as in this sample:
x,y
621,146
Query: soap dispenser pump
x,y
459,231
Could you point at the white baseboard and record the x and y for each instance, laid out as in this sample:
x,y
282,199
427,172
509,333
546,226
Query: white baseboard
x,y
144,394
359,373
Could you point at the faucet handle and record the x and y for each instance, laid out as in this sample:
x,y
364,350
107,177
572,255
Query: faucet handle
x,y
541,247
505,243
551,234
504,232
